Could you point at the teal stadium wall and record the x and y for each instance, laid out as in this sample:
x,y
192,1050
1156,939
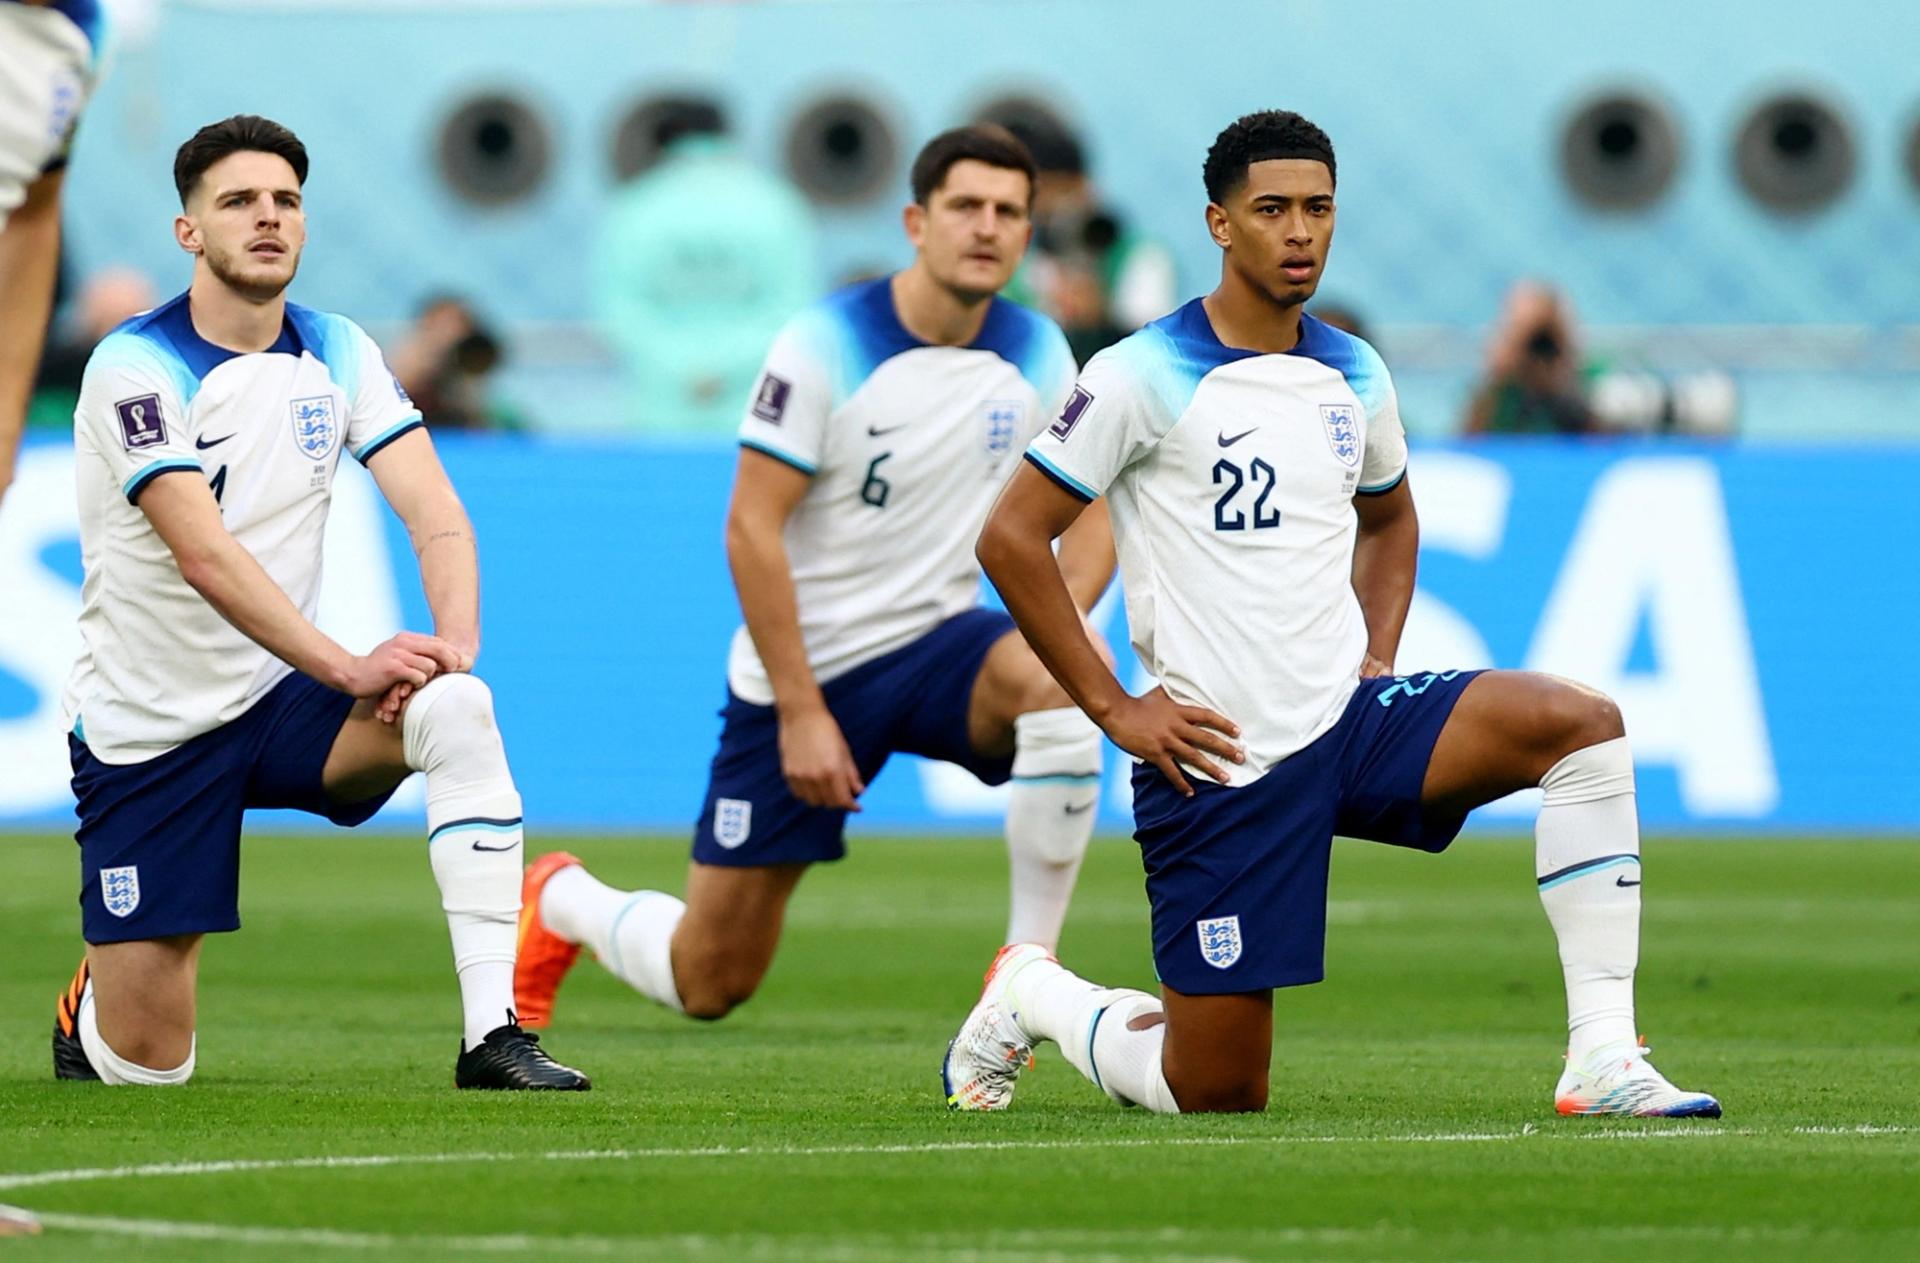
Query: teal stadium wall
x,y
1447,119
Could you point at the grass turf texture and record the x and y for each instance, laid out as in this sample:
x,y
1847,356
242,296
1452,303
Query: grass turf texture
x,y
1782,976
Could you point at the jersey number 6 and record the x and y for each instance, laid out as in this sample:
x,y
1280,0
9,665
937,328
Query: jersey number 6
x,y
874,489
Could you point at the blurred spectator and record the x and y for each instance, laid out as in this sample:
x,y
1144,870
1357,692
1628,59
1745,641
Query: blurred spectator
x,y
1088,270
1535,381
105,299
701,260
1343,318
444,364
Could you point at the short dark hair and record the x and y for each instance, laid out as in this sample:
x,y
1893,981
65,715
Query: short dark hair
x,y
981,142
243,133
1261,137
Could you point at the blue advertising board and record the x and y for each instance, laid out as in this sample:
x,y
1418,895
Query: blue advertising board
x,y
1746,606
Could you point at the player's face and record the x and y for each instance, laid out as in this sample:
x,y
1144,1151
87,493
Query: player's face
x,y
246,219
974,228
1277,226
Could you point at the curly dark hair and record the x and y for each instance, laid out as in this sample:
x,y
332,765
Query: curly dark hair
x,y
243,133
1257,138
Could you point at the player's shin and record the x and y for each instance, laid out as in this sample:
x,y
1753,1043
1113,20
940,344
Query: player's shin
x,y
474,840
630,931
1587,860
1126,1060
1050,815
116,1070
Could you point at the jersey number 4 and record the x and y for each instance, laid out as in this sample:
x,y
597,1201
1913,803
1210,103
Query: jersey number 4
x,y
1235,478
218,484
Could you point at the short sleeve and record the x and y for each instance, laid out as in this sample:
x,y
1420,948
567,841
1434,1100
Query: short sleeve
x,y
792,398
378,410
1107,422
1384,463
132,413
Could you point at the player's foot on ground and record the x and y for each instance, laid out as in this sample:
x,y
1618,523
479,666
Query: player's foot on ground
x,y
543,957
69,1055
986,1057
1620,1080
511,1059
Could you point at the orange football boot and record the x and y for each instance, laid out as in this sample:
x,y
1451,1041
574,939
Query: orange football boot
x,y
543,957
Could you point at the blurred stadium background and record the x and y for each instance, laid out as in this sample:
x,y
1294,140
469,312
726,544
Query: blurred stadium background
x,y
1719,227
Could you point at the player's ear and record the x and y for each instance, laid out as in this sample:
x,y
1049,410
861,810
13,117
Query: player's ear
x,y
914,219
1217,225
186,233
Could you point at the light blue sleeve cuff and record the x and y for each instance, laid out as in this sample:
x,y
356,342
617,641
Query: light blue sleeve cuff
x,y
1066,480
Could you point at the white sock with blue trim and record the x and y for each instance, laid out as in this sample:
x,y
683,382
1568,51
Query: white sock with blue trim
x,y
631,932
473,840
1587,861
1050,814
1089,1023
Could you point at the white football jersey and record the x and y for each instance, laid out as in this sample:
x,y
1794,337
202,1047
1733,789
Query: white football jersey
x,y
907,445
1230,476
158,665
48,56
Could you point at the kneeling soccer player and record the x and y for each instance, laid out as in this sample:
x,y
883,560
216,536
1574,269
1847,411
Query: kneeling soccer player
x,y
207,437
887,417
1255,465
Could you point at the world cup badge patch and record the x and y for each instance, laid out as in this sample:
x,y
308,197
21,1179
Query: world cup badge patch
x,y
1003,424
1343,432
1220,941
120,889
140,422
732,821
1070,415
314,428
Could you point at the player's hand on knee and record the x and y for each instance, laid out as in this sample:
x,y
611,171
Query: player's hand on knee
x,y
817,763
1166,734
408,658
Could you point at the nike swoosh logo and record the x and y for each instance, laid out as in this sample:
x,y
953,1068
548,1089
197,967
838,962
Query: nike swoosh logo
x,y
1621,881
508,847
204,444
1229,442
1082,808
875,431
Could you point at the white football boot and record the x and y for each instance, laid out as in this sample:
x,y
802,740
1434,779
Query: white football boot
x,y
986,1057
1620,1080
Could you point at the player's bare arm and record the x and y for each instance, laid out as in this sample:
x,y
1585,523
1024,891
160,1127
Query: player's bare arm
x,y
186,516
411,477
813,751
1016,549
1087,555
1385,556
29,255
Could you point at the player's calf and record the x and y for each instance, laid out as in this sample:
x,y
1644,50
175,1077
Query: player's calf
x,y
81,1052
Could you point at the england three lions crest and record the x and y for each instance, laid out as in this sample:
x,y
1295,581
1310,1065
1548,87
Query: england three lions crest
x,y
732,821
1343,432
315,430
1220,941
120,889
1006,418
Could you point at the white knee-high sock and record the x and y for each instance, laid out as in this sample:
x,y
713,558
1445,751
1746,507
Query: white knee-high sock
x,y
473,840
1587,860
112,1067
1056,795
1089,1023
630,931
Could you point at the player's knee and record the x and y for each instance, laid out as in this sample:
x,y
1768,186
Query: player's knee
x,y
1236,1094
451,715
1575,717
715,985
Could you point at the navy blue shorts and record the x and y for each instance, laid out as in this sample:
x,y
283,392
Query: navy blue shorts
x,y
160,840
911,701
1238,877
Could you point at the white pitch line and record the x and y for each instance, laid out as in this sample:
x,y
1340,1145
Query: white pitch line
x,y
76,1175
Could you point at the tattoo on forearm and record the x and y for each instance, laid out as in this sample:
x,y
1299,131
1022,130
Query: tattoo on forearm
x,y
437,536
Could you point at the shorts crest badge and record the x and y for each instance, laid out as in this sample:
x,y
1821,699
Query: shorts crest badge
x,y
1004,417
1343,432
732,821
120,889
315,430
1220,941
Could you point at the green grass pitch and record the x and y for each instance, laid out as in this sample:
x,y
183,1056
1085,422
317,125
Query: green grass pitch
x,y
1411,1117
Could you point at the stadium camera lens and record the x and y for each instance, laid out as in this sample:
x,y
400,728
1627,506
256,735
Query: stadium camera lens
x,y
652,124
1794,153
841,149
494,149
1619,151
